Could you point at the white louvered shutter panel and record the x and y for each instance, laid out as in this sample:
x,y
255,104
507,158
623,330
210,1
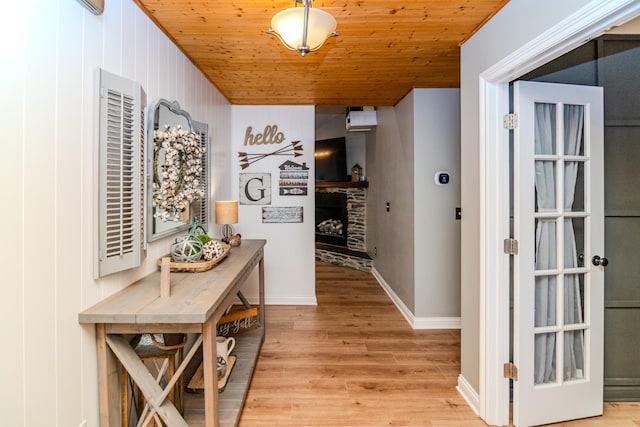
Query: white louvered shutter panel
x,y
142,174
201,207
120,164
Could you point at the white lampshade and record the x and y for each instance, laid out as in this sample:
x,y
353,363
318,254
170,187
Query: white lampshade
x,y
288,26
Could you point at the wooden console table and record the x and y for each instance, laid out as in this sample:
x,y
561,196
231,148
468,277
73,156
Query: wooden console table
x,y
196,303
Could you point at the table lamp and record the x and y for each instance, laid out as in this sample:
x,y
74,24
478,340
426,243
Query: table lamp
x,y
226,214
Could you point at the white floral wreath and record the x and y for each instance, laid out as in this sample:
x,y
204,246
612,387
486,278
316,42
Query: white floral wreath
x,y
179,183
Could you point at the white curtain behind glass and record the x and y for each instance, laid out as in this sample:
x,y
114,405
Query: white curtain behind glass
x,y
546,244
545,286
573,341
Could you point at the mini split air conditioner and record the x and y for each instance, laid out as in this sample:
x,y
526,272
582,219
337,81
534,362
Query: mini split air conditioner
x,y
361,121
95,6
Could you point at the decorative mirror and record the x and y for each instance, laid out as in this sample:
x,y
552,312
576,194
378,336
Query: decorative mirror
x,y
176,171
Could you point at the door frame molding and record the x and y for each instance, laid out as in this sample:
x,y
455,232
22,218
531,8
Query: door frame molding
x,y
586,23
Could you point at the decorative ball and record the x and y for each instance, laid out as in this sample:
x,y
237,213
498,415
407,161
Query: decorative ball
x,y
235,239
212,250
186,249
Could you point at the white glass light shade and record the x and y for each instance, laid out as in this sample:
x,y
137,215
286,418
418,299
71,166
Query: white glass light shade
x,y
288,25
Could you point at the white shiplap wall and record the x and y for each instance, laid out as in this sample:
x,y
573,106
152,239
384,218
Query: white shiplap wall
x,y
290,251
49,56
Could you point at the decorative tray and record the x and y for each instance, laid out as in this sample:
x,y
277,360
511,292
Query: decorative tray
x,y
199,266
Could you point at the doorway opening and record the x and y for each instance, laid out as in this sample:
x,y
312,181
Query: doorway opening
x,y
494,310
608,62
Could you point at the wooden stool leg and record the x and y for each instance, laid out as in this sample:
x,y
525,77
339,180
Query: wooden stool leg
x,y
139,402
124,395
180,384
171,370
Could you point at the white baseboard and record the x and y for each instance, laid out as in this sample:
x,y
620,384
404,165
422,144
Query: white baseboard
x,y
408,315
416,322
280,300
437,323
469,394
289,301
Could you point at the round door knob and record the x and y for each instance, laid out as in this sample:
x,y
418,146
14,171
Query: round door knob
x,y
597,261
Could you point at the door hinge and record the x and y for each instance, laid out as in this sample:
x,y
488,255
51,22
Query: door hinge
x,y
510,121
511,246
511,371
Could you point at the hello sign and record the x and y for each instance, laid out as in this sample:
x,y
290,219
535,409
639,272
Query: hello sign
x,y
269,136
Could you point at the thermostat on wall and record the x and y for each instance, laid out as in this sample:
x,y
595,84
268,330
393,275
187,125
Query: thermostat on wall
x,y
442,178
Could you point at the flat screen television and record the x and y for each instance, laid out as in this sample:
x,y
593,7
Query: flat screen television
x,y
331,160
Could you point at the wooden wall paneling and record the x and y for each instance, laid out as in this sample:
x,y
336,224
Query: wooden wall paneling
x,y
129,38
38,222
153,63
113,37
68,213
92,47
140,51
12,164
49,165
164,61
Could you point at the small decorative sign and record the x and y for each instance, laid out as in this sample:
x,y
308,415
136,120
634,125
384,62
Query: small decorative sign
x,y
269,136
294,179
255,189
280,215
293,149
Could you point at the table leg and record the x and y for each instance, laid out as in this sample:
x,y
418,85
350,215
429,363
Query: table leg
x,y
210,366
153,393
108,379
261,291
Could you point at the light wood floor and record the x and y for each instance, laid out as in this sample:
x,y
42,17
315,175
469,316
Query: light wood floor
x,y
353,360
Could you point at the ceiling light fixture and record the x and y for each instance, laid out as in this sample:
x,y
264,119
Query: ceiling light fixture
x,y
303,29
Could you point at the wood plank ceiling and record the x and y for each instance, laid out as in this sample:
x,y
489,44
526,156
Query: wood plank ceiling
x,y
385,48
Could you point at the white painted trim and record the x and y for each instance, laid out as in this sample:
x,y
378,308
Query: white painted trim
x,y
494,306
468,394
437,323
288,301
416,322
588,22
404,310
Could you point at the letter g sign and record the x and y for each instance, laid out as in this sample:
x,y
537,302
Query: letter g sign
x,y
255,188
253,191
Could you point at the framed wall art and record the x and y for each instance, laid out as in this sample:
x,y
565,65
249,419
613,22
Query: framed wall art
x,y
255,188
294,179
282,215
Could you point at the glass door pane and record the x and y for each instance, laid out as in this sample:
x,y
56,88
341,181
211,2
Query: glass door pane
x,y
559,148
557,218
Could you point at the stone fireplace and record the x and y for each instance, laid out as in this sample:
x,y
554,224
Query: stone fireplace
x,y
332,218
341,224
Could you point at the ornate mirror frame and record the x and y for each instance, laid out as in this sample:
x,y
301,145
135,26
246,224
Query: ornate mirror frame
x,y
161,114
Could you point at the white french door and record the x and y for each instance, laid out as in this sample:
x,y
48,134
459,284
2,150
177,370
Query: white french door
x,y
558,272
